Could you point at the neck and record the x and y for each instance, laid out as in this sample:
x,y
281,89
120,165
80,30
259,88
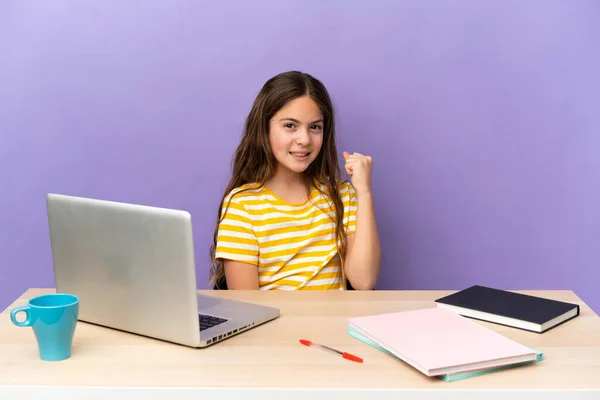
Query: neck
x,y
286,179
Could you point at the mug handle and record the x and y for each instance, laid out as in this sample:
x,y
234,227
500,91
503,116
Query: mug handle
x,y
14,312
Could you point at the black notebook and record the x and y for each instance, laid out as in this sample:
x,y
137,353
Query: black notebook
x,y
522,311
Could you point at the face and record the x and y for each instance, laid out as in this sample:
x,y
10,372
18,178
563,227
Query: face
x,y
296,134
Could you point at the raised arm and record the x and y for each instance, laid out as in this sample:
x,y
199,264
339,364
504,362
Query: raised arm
x,y
363,257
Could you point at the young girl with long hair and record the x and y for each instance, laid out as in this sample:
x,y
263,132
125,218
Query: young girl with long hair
x,y
287,220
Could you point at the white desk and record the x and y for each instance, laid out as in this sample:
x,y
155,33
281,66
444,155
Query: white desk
x,y
267,362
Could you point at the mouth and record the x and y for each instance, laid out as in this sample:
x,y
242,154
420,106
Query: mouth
x,y
300,155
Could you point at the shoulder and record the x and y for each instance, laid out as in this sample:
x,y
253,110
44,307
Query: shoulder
x,y
345,188
243,193
235,203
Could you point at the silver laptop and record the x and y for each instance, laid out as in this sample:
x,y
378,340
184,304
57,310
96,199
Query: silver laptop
x,y
133,269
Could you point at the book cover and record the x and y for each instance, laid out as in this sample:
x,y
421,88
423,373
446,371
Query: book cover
x,y
451,377
517,310
436,341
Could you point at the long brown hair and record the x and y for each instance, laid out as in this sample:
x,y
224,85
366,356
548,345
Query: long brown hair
x,y
254,162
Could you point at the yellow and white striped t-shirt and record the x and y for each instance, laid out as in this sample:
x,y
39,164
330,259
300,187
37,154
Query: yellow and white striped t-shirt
x,y
293,245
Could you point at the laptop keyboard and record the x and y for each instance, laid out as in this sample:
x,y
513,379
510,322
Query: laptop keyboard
x,y
208,321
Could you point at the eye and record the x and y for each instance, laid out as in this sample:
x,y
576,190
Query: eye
x,y
289,125
316,127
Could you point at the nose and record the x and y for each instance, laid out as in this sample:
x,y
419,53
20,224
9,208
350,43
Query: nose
x,y
302,137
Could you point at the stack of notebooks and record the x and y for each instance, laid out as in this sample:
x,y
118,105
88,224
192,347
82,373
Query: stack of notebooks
x,y
441,343
447,343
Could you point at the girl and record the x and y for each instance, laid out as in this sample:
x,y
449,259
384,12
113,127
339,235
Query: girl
x,y
286,219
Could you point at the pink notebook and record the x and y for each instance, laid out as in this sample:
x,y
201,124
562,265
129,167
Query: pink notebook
x,y
437,341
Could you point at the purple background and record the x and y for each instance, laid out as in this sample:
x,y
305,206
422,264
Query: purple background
x,y
482,118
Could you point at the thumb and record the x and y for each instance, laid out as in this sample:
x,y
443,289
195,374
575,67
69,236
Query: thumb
x,y
345,153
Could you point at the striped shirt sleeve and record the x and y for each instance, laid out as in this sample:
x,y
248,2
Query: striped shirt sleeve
x,y
235,237
350,206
